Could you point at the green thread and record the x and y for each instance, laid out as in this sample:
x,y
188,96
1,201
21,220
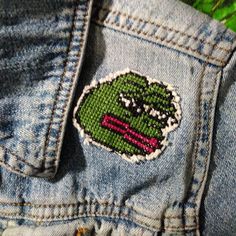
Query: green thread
x,y
124,112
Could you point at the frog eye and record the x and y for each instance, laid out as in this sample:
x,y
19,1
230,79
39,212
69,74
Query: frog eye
x,y
130,103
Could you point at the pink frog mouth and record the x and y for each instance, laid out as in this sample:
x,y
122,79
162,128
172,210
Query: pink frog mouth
x,y
139,140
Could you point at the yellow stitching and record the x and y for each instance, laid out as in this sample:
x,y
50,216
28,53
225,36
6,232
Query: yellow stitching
x,y
198,125
60,84
125,216
62,80
161,39
82,204
208,144
71,84
160,25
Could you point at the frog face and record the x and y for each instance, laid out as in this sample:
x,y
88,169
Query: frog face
x,y
129,114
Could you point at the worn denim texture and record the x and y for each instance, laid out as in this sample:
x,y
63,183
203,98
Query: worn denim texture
x,y
40,56
44,68
218,210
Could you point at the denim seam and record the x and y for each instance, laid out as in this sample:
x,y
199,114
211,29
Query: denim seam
x,y
198,136
107,22
87,206
170,29
139,32
85,203
208,143
198,128
60,84
61,216
60,87
114,215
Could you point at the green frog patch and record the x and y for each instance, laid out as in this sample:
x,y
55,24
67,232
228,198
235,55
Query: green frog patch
x,y
129,114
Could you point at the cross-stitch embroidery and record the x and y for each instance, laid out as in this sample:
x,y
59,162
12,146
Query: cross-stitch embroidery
x,y
129,114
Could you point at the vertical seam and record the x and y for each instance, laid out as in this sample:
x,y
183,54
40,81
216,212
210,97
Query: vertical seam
x,y
60,87
60,84
209,140
198,135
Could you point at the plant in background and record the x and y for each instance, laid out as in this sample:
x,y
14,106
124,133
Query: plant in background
x,y
222,10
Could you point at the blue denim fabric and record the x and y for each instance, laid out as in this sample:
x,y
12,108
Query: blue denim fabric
x,y
41,47
218,210
44,68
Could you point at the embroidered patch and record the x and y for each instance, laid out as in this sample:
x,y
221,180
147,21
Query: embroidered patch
x,y
129,114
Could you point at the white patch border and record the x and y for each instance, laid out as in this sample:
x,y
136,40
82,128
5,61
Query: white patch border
x,y
134,158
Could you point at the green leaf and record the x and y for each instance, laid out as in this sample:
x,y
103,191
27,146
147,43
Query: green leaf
x,y
222,10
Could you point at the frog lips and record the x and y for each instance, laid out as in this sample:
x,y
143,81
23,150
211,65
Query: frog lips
x,y
139,140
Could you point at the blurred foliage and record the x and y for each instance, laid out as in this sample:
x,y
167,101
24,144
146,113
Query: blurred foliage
x,y
222,10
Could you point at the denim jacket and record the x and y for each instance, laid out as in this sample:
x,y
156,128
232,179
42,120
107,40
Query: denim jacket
x,y
61,174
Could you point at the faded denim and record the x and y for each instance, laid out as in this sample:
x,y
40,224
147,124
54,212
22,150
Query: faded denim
x,y
52,183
